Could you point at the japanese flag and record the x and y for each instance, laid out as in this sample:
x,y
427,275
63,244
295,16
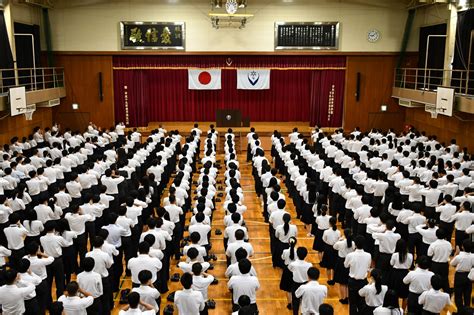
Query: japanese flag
x,y
207,79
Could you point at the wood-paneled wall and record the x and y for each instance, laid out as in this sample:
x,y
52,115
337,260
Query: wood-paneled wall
x,y
82,73
19,126
444,127
376,81
82,87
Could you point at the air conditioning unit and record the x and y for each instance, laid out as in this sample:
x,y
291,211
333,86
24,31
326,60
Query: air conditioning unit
x,y
50,103
404,102
54,102
48,4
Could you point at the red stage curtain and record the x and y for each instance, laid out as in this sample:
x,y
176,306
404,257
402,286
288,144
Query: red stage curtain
x,y
327,97
233,61
163,95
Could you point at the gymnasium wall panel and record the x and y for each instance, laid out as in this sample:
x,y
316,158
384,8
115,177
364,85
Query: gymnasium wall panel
x,y
82,76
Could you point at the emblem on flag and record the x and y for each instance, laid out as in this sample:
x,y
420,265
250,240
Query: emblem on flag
x,y
253,77
258,79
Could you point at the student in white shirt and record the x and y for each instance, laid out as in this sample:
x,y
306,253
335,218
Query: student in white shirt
x,y
33,226
188,301
148,293
433,300
52,245
15,234
419,281
74,304
102,263
390,305
462,220
311,293
233,247
244,284
201,281
77,222
446,211
440,251
374,292
343,246
330,237
283,233
91,282
299,268
137,306
358,263
26,277
464,263
432,195
12,296
143,262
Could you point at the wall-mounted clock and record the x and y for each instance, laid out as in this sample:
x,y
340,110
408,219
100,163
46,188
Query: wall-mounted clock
x,y
373,35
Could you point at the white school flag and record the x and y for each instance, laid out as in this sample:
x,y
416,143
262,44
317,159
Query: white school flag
x,y
257,79
205,79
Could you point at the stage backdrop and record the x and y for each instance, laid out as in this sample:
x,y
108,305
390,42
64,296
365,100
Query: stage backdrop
x,y
302,88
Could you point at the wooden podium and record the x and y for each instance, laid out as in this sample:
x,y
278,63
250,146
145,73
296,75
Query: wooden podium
x,y
228,118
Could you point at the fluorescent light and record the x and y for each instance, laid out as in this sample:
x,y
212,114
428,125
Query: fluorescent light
x,y
75,106
383,108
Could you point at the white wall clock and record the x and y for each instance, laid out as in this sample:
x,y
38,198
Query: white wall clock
x,y
373,35
231,6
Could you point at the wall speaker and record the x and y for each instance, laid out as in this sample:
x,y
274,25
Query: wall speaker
x,y
357,93
101,94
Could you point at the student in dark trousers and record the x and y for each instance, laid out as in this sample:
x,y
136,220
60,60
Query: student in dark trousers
x,y
358,263
38,264
419,281
52,245
439,252
464,262
31,303
299,269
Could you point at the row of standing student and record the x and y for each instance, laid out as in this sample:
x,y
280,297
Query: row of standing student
x,y
60,254
299,277
327,245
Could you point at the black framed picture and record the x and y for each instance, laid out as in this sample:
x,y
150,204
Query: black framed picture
x,y
306,35
152,35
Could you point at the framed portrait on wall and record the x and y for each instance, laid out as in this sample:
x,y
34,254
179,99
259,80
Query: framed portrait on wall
x,y
152,35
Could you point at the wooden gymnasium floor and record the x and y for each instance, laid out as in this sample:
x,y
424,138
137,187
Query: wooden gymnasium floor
x,y
270,299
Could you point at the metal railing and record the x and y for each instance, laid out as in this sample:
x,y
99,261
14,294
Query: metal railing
x,y
462,81
31,78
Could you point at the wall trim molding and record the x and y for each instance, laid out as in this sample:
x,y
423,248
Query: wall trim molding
x,y
220,53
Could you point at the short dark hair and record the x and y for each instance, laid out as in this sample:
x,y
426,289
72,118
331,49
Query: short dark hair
x,y
436,282
326,309
302,252
72,288
98,241
423,262
88,264
186,280
143,248
24,265
245,266
144,276
133,299
313,273
197,269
